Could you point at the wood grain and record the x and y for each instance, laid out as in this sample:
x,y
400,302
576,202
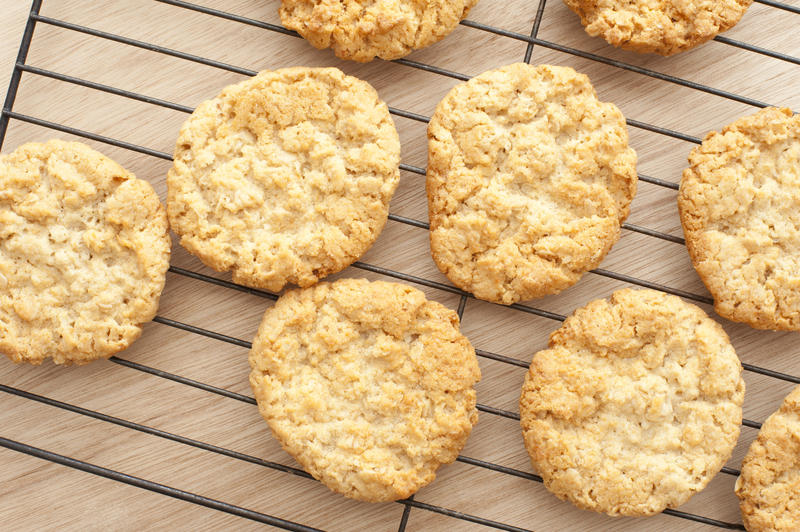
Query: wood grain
x,y
38,495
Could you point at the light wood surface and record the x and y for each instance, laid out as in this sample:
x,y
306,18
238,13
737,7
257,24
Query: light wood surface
x,y
38,495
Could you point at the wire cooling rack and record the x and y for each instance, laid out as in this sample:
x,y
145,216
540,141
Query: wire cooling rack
x,y
532,39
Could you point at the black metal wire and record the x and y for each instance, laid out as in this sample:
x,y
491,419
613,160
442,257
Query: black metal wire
x,y
537,22
757,49
185,109
779,5
514,35
659,182
154,486
415,64
228,452
618,64
243,343
404,518
8,113
223,283
248,345
751,424
705,520
250,72
654,286
152,431
16,75
462,306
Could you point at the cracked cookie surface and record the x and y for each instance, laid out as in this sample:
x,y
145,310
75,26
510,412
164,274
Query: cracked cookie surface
x,y
663,27
635,405
769,485
364,29
285,177
367,385
739,205
84,251
529,179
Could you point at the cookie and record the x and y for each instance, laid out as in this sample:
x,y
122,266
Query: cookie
x,y
285,177
361,30
663,27
739,205
84,251
529,180
769,485
367,385
635,405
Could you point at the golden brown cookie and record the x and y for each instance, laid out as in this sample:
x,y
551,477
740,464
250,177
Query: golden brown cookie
x,y
84,251
285,177
529,180
739,204
367,385
635,406
663,27
769,486
362,30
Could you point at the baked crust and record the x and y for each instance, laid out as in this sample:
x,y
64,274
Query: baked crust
x,y
739,205
663,27
769,485
635,405
285,177
529,180
84,250
367,385
361,30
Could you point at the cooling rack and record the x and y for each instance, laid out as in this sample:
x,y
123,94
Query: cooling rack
x,y
192,411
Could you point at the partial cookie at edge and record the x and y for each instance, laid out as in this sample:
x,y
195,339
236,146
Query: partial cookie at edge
x,y
664,27
389,30
769,484
84,251
739,205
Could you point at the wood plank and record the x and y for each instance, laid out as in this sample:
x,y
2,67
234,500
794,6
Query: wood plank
x,y
37,495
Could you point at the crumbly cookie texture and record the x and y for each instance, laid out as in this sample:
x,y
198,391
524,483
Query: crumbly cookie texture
x,y
285,177
84,252
769,486
367,385
663,27
635,406
529,180
362,30
739,205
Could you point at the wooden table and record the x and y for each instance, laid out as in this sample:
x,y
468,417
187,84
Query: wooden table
x,y
36,494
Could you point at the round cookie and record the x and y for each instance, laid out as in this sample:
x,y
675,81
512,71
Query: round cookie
x,y
739,205
367,385
285,177
529,180
635,406
769,485
362,30
663,27
84,250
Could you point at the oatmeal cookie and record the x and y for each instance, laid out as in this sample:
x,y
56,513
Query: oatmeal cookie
x,y
285,177
84,251
362,30
529,180
663,27
367,385
769,486
635,406
739,205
